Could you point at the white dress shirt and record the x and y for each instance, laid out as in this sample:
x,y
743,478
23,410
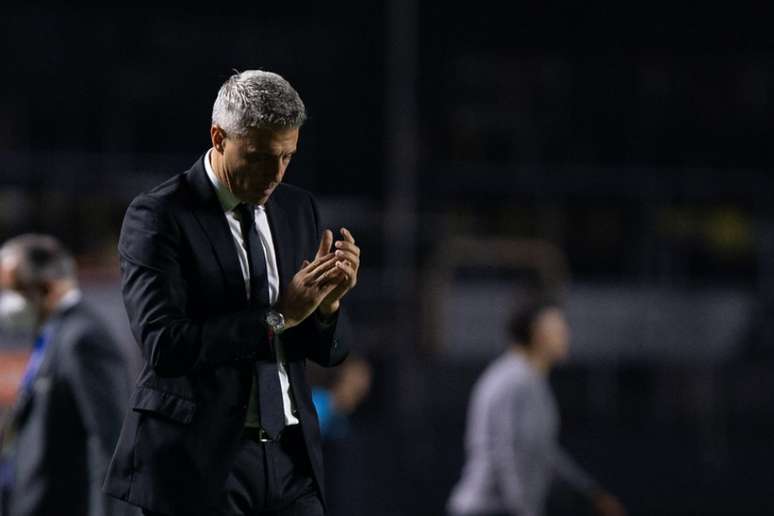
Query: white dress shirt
x,y
71,298
229,202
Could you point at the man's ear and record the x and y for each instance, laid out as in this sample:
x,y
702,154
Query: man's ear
x,y
218,137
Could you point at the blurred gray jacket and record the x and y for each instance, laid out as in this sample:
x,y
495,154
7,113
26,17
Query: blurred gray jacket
x,y
62,430
512,444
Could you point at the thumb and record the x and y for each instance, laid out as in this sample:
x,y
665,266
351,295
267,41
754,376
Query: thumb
x,y
325,243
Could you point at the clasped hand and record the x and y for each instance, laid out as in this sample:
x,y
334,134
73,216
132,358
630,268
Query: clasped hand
x,y
321,283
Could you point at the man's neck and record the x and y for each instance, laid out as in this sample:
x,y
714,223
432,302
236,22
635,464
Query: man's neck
x,y
59,290
213,166
537,362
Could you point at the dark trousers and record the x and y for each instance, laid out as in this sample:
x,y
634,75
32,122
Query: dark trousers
x,y
269,479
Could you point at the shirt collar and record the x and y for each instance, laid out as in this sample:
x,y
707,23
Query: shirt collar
x,y
227,199
71,298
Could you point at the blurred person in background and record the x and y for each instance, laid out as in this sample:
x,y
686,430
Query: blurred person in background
x,y
231,284
58,436
338,394
512,436
335,401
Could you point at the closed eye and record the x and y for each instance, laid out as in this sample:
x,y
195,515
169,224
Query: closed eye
x,y
258,157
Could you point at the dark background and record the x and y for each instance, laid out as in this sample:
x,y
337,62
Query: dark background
x,y
623,156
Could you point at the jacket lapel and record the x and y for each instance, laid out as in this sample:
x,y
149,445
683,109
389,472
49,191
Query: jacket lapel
x,y
209,213
283,245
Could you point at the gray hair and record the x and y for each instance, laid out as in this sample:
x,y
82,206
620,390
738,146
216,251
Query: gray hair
x,y
257,99
42,258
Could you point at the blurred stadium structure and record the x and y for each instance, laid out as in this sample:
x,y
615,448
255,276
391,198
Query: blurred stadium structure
x,y
477,157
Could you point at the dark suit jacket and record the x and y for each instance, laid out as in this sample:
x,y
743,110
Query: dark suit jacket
x,y
67,424
185,296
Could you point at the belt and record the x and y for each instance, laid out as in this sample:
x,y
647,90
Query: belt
x,y
259,435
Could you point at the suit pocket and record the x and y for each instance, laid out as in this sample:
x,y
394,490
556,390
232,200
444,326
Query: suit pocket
x,y
164,404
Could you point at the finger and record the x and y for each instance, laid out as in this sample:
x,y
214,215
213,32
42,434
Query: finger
x,y
325,243
309,275
304,264
349,256
338,274
333,276
320,274
327,289
345,245
350,271
347,235
337,277
345,266
316,269
317,261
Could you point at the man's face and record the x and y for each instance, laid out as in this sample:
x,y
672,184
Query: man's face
x,y
19,308
11,282
8,265
252,165
552,335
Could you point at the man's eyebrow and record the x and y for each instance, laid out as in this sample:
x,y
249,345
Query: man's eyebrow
x,y
269,152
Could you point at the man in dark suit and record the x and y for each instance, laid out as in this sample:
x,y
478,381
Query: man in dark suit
x,y
58,437
231,284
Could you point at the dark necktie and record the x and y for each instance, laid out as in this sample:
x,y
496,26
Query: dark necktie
x,y
271,413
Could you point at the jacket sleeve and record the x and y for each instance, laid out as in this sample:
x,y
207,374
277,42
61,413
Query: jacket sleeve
x,y
323,342
173,343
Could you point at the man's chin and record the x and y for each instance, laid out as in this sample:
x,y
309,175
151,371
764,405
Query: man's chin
x,y
257,199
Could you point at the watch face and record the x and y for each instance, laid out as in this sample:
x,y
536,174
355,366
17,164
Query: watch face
x,y
274,319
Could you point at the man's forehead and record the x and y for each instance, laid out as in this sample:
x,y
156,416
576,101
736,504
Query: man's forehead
x,y
262,139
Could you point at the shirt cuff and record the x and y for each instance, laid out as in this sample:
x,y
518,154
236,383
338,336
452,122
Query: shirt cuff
x,y
326,322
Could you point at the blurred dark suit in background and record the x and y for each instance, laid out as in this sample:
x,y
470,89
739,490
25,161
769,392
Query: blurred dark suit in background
x,y
58,436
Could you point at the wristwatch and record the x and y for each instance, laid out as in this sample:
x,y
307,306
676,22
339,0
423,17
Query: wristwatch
x,y
275,321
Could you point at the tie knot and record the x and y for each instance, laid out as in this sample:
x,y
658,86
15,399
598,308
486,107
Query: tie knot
x,y
245,212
